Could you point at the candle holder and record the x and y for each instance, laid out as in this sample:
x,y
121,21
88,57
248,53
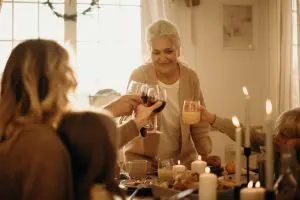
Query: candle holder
x,y
247,153
270,195
237,190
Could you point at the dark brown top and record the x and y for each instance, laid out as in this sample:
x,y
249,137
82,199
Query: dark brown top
x,y
34,165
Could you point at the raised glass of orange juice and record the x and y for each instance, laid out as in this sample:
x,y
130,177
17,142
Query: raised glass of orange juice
x,y
191,112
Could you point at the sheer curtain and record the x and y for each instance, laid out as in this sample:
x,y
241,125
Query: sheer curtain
x,y
282,58
295,101
286,56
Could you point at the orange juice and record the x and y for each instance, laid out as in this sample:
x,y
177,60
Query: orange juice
x,y
191,117
165,174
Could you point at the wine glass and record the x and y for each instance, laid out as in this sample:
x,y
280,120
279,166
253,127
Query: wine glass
x,y
134,88
155,94
191,112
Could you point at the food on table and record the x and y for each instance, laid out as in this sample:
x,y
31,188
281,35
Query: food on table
x,y
226,183
230,167
214,161
185,180
217,170
146,182
124,176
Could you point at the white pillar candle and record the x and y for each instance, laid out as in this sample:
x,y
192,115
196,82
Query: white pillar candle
x,y
238,144
198,166
208,185
269,146
247,117
251,193
178,169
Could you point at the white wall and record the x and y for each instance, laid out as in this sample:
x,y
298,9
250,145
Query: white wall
x,y
222,72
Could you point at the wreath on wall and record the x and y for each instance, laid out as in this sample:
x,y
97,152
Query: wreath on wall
x,y
72,17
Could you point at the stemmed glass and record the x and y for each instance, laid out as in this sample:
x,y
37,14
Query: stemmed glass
x,y
134,88
155,94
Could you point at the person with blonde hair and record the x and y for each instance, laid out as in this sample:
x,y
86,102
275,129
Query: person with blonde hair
x,y
35,87
34,163
177,140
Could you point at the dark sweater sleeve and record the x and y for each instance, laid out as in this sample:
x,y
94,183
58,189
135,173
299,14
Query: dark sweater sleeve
x,y
127,132
48,173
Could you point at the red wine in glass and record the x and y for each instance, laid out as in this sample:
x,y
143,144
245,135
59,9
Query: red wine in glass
x,y
151,102
144,97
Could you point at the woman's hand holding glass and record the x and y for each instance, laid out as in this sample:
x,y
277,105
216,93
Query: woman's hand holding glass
x,y
143,113
134,89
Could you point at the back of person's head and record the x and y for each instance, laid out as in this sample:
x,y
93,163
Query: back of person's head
x,y
90,140
35,84
163,28
288,124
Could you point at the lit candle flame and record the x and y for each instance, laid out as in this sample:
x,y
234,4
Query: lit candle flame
x,y
199,157
257,184
245,90
268,106
207,170
235,121
250,184
178,162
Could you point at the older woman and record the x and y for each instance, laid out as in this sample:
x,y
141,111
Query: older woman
x,y
178,140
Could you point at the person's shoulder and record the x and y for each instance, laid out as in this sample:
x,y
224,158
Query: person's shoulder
x,y
39,139
142,68
140,73
188,71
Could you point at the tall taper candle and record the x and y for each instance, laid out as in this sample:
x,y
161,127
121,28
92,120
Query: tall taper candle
x,y
238,145
269,146
247,117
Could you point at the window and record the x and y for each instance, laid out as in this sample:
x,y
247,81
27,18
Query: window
x,y
109,51
108,41
23,19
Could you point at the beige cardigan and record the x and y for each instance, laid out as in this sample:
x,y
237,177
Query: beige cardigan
x,y
194,139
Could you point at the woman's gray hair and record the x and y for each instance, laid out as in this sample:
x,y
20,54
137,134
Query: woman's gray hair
x,y
162,28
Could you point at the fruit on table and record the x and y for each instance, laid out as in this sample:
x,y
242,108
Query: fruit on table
x,y
230,167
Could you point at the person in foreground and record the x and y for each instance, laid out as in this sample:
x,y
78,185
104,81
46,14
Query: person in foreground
x,y
35,86
90,139
34,163
178,140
